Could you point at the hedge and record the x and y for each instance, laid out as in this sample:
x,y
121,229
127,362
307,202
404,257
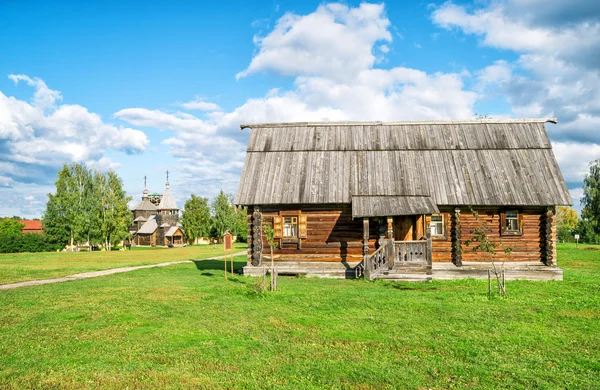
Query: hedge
x,y
30,242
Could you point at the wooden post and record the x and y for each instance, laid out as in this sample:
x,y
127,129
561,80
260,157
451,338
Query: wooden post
x,y
456,238
391,249
429,248
366,248
225,265
257,244
548,257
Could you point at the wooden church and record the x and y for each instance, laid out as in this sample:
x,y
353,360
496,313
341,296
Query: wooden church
x,y
156,220
399,200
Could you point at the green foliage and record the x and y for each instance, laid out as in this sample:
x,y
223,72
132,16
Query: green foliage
x,y
240,229
269,234
566,216
87,206
586,232
195,218
114,216
591,198
10,225
29,242
224,217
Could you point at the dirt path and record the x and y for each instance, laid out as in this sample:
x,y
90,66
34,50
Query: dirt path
x,y
95,274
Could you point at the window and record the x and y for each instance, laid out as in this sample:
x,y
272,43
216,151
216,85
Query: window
x,y
290,227
511,222
436,227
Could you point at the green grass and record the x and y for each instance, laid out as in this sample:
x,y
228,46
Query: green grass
x,y
17,267
183,326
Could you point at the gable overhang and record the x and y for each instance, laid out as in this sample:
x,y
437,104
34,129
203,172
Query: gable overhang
x,y
392,205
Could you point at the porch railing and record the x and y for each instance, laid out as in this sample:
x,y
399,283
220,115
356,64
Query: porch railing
x,y
400,252
413,252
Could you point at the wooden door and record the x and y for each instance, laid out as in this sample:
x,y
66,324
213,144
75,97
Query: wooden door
x,y
404,228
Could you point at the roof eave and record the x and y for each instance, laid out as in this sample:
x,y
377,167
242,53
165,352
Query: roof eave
x,y
396,123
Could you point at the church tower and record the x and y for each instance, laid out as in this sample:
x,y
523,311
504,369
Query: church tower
x,y
168,216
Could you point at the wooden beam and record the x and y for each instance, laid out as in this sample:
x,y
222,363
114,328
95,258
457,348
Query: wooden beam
x,y
456,235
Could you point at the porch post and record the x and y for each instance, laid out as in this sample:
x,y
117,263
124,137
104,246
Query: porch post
x,y
456,238
391,249
366,248
429,248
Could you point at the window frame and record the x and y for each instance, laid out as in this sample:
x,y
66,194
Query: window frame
x,y
504,222
436,236
293,223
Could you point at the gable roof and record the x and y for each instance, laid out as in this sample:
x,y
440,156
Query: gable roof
x,y
476,162
149,226
144,205
31,224
172,231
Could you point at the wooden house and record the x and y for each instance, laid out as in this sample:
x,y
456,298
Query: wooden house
x,y
31,226
399,200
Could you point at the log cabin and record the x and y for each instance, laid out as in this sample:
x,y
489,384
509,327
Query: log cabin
x,y
403,200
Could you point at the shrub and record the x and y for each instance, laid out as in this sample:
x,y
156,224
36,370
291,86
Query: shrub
x,y
30,242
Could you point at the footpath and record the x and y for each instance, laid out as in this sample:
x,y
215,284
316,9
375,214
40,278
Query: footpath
x,y
95,274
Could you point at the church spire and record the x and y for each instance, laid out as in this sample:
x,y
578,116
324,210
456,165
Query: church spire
x,y
145,194
167,202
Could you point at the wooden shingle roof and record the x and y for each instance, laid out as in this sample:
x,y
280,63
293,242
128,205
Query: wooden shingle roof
x,y
479,162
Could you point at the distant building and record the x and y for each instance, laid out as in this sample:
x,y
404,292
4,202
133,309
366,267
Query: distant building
x,y
156,220
31,226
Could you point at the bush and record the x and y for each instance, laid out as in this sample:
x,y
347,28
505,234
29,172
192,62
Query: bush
x,y
30,242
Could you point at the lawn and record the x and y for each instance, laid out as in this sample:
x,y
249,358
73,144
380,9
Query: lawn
x,y
183,326
17,267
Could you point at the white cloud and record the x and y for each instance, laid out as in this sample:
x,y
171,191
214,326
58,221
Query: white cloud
x,y
37,137
557,73
200,105
335,40
574,158
329,53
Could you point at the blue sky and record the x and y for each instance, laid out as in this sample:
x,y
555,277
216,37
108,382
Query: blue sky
x,y
150,86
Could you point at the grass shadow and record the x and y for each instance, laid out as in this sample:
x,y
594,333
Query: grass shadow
x,y
414,286
205,265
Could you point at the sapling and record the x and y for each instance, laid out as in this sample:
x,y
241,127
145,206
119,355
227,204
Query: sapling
x,y
483,243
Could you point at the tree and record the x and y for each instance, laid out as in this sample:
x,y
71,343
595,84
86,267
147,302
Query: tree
x,y
482,242
566,222
223,214
591,197
10,226
196,218
59,217
113,214
240,230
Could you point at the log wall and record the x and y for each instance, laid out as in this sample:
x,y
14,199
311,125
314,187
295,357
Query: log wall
x,y
528,245
332,234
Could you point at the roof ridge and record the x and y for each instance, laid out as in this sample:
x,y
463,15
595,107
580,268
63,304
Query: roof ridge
x,y
400,123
